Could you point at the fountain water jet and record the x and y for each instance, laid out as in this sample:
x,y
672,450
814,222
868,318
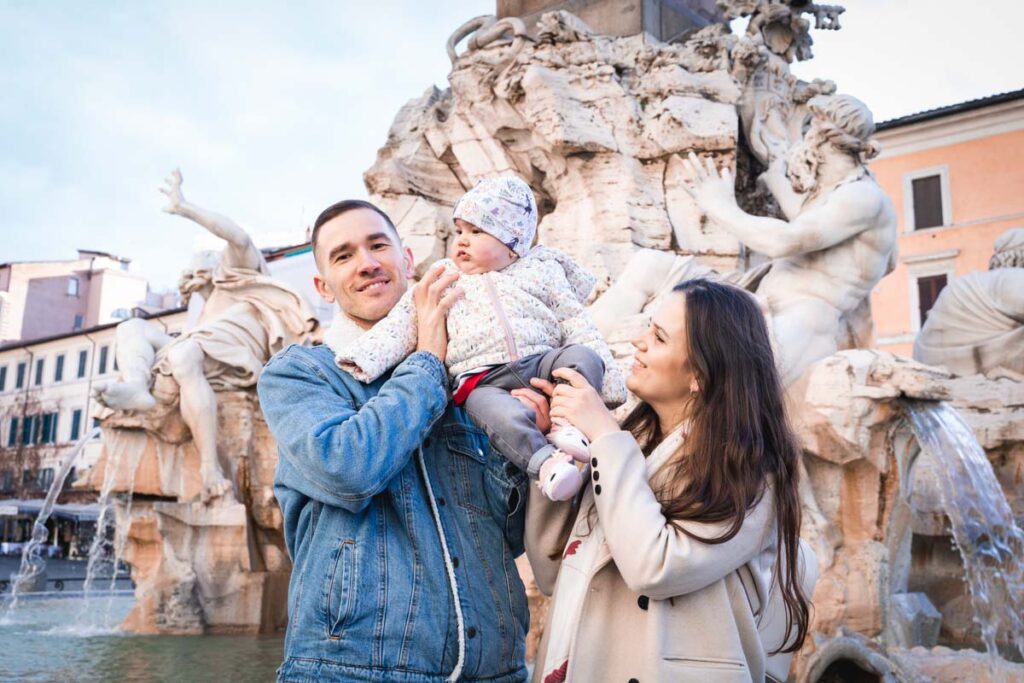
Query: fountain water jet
x,y
120,453
32,563
984,530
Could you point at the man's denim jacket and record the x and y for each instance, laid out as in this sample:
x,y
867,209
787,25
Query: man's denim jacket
x,y
370,596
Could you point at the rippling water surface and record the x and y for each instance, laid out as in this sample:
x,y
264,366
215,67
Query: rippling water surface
x,y
67,639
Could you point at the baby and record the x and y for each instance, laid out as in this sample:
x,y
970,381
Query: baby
x,y
522,316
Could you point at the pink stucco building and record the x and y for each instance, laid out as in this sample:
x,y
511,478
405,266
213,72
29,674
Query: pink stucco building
x,y
956,176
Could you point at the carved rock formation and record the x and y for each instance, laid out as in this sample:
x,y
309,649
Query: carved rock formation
x,y
217,568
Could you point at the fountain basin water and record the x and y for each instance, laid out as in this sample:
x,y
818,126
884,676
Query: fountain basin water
x,y
42,641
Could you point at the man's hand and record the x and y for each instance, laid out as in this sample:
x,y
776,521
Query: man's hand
x,y
432,305
538,403
172,188
710,188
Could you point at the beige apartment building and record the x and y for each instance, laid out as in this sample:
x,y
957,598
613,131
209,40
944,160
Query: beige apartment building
x,y
956,176
44,298
46,401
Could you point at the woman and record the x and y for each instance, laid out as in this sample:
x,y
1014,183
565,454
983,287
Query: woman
x,y
682,561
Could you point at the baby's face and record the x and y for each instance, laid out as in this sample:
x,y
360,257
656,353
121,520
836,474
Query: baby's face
x,y
477,252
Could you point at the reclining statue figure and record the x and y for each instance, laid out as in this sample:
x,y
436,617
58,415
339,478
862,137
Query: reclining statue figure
x,y
238,317
977,323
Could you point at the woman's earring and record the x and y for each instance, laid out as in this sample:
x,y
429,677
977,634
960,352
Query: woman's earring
x,y
694,387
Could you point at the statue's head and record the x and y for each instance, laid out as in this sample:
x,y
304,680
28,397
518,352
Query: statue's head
x,y
198,276
1008,250
839,124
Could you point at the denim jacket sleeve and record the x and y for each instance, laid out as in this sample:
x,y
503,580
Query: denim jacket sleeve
x,y
339,455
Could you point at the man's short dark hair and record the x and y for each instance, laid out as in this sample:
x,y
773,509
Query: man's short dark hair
x,y
344,206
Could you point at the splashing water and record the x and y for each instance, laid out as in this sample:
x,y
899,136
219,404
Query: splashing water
x,y
124,449
32,562
989,540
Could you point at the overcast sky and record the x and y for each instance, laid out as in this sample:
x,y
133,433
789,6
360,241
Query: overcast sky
x,y
274,109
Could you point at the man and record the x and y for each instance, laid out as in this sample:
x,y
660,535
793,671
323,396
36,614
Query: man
x,y
401,524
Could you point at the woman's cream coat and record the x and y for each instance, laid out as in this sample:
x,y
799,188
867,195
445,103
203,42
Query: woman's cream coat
x,y
661,606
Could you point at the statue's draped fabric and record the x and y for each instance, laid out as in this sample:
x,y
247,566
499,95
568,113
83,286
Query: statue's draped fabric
x,y
977,324
258,316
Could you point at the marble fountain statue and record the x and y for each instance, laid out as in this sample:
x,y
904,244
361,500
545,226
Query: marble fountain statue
x,y
652,162
184,434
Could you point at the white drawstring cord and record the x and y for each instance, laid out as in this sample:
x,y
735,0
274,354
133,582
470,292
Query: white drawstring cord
x,y
454,676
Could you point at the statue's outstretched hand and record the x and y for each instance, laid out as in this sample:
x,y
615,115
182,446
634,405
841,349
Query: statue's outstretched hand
x,y
709,187
172,188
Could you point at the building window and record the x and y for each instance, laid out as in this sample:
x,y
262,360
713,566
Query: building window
x,y
48,433
927,194
7,481
39,371
72,286
12,436
28,430
928,289
78,322
19,381
926,199
76,423
45,479
58,370
121,313
83,360
3,378
104,350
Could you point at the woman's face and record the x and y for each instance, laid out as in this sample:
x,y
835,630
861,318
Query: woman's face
x,y
661,371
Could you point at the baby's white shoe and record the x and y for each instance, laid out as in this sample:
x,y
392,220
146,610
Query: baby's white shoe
x,y
559,479
568,439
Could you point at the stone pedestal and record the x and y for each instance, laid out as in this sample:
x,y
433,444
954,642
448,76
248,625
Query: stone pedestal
x,y
199,568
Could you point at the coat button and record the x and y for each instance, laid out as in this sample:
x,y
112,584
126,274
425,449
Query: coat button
x,y
471,632
597,475
593,462
455,562
440,501
633,680
643,601
597,489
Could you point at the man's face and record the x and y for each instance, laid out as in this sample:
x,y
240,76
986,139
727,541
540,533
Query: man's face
x,y
361,265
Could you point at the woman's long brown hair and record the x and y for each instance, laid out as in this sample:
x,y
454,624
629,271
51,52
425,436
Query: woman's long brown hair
x,y
739,444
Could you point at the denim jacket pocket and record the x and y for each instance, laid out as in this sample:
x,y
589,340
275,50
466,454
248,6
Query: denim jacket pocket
x,y
340,592
469,452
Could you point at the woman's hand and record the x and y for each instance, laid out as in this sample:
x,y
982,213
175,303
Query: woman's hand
x,y
432,304
538,403
578,403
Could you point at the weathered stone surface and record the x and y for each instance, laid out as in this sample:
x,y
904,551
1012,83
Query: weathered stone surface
x,y
201,568
592,122
880,534
945,665
915,620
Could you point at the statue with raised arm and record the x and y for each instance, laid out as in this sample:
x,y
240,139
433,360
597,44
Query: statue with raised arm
x,y
238,317
840,238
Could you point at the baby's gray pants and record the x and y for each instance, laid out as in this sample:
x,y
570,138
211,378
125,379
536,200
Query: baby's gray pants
x,y
508,423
